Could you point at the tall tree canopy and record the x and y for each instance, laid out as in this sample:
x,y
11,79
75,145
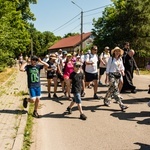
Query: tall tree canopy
x,y
125,20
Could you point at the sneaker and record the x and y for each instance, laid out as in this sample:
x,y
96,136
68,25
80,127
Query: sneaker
x,y
55,96
106,102
89,87
25,103
69,110
133,91
49,95
100,83
123,107
35,114
83,117
95,96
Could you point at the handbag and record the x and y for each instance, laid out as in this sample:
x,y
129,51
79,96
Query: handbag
x,y
117,75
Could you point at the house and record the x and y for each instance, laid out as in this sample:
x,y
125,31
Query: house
x,y
72,43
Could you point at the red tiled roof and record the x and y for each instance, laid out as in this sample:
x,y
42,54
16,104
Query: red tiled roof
x,y
70,41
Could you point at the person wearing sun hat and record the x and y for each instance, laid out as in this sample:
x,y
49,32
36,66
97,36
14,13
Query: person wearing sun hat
x,y
114,73
52,74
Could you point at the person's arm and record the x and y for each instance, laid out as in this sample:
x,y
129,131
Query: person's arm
x,y
22,68
87,61
46,65
101,58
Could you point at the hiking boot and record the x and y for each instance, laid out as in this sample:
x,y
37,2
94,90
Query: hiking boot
x,y
69,110
83,117
106,102
35,114
49,95
95,96
123,107
25,102
55,96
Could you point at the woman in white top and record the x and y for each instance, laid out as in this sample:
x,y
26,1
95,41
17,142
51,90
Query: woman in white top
x,y
114,73
103,58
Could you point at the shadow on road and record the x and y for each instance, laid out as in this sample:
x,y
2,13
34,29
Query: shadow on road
x,y
62,116
143,146
136,100
17,111
132,116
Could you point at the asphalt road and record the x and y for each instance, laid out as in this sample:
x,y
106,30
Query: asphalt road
x,y
106,128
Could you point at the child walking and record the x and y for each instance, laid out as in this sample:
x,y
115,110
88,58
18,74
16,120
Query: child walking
x,y
33,78
77,81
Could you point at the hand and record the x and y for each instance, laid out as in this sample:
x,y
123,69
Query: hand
x,y
39,59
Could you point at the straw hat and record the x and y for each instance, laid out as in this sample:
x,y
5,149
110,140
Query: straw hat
x,y
53,56
117,48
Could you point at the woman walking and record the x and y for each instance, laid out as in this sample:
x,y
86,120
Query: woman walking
x,y
114,73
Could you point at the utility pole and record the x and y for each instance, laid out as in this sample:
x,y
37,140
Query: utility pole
x,y
81,46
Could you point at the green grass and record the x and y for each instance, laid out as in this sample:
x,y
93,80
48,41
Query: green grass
x,y
144,71
28,130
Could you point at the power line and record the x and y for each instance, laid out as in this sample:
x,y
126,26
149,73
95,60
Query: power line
x,y
66,23
78,15
97,8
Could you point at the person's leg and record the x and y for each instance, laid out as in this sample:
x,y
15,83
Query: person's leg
x,y
67,81
49,87
55,86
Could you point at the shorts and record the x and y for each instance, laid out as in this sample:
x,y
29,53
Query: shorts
x,y
66,76
101,71
35,92
77,98
60,77
91,76
51,75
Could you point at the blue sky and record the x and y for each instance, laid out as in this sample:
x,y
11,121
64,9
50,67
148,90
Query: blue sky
x,y
52,14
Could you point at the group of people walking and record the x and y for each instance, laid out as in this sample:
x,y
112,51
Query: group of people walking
x,y
77,71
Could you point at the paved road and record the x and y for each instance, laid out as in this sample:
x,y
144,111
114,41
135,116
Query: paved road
x,y
107,128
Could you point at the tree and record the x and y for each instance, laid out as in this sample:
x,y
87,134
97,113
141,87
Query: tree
x,y
125,20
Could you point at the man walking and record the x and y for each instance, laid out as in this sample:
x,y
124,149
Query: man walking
x,y
91,71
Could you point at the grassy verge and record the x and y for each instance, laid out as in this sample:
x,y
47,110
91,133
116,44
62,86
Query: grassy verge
x,y
28,130
144,72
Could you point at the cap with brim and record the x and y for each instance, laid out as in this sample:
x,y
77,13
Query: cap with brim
x,y
60,50
64,52
77,63
106,48
69,55
34,58
117,48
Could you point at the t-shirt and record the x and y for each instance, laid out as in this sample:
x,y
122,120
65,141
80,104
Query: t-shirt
x,y
33,75
105,58
53,66
91,68
76,82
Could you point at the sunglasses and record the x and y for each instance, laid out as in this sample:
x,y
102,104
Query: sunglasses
x,y
77,66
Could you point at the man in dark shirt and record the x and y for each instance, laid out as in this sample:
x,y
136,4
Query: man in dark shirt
x,y
33,79
130,65
77,80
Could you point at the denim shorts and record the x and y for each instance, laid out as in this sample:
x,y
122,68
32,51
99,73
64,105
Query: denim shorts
x,y
35,92
77,98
